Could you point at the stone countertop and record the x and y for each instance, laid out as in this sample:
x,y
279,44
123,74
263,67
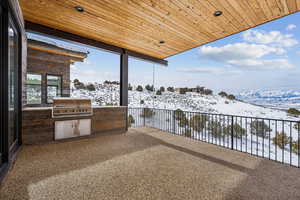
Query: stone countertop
x,y
50,108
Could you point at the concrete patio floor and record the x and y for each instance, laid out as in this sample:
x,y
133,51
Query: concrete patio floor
x,y
145,164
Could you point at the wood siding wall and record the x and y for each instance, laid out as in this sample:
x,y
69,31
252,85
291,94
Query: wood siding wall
x,y
47,63
38,124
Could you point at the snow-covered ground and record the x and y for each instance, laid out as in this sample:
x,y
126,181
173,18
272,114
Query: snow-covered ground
x,y
107,94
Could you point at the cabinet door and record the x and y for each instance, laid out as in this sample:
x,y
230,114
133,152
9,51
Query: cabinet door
x,y
64,129
72,128
84,127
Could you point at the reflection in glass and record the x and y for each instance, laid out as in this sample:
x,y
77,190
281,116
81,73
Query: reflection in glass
x,y
34,88
12,84
53,87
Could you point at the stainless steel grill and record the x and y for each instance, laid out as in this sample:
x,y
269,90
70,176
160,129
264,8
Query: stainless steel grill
x,y
71,107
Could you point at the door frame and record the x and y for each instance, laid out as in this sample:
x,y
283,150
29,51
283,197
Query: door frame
x,y
8,155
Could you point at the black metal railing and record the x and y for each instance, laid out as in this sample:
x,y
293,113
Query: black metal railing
x,y
274,139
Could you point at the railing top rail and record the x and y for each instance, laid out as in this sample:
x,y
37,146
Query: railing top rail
x,y
220,114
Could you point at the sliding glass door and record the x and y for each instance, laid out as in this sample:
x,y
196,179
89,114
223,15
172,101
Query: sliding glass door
x,y
13,67
1,90
10,83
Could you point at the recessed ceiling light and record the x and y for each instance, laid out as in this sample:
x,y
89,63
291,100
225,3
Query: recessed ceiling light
x,y
161,42
79,9
218,13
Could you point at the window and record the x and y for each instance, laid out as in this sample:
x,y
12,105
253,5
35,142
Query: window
x,y
34,88
53,87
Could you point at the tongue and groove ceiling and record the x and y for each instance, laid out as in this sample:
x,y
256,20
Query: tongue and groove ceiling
x,y
140,25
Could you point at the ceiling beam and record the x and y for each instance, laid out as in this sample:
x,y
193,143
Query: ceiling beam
x,y
44,30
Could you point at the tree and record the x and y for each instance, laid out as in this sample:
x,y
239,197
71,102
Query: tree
x,y
281,139
142,101
149,88
179,114
216,129
182,90
78,84
139,88
293,111
130,120
188,132
223,94
260,128
147,112
91,87
130,87
238,131
183,122
296,146
200,89
197,122
162,88
231,97
170,89
297,125
207,92
158,92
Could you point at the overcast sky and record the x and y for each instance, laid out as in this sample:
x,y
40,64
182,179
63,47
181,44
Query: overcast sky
x,y
265,57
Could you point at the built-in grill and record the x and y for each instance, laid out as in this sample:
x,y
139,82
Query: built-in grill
x,y
72,117
71,107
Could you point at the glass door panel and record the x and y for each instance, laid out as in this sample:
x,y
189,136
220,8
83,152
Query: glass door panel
x,y
1,81
12,85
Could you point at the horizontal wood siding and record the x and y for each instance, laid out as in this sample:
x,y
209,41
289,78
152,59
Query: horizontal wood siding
x,y
38,124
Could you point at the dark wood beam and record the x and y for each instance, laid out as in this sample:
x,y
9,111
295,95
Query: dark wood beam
x,y
147,58
37,28
124,79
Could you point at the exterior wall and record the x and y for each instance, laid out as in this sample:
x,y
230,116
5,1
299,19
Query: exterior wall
x,y
38,124
47,63
24,67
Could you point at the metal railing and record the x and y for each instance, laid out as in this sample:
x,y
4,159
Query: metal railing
x,y
274,139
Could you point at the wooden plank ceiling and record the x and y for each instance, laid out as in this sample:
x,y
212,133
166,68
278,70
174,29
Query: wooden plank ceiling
x,y
140,25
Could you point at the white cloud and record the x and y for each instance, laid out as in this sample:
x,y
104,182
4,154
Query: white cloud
x,y
291,27
246,55
91,75
210,70
238,51
275,38
201,70
263,63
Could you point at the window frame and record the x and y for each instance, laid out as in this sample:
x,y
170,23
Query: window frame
x,y
9,14
46,85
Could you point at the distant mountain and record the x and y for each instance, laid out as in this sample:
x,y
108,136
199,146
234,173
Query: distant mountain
x,y
281,98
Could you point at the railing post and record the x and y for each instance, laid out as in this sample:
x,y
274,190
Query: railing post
x,y
143,114
174,131
232,132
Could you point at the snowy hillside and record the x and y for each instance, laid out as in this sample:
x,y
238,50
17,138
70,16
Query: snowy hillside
x,y
281,98
249,140
108,94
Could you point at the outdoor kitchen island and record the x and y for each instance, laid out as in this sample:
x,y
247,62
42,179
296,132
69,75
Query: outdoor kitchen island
x,y
39,126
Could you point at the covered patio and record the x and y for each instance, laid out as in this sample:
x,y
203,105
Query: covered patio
x,y
113,163
145,163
